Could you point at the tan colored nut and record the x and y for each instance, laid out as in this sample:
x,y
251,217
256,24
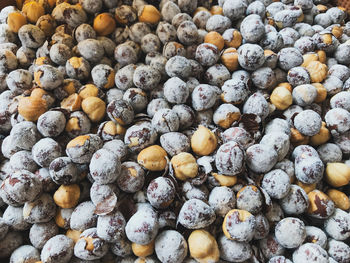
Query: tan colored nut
x,y
340,199
216,10
230,118
321,92
296,138
30,108
69,87
38,93
42,61
47,24
229,59
203,141
153,158
78,141
317,71
337,31
59,219
322,56
285,85
88,90
72,102
203,247
94,107
149,14
235,40
337,174
15,21
243,215
73,234
281,97
72,124
215,38
321,137
326,38
307,187
185,166
143,250
113,128
198,9
309,57
225,180
33,10
317,199
321,8
104,24
67,196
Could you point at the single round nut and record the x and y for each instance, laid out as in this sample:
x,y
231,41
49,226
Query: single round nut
x,y
153,158
290,232
203,246
104,24
281,97
33,10
339,198
31,108
214,38
149,14
15,21
67,196
161,192
229,59
337,174
71,103
94,107
203,141
185,166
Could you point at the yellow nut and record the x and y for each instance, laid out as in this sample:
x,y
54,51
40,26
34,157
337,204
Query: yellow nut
x,y
203,247
67,196
185,166
88,90
60,222
234,40
322,56
321,8
214,38
296,138
73,234
337,31
113,128
317,71
104,24
340,199
225,180
69,87
309,57
281,97
47,24
73,124
15,21
337,174
143,250
216,10
229,59
72,102
94,107
321,137
33,10
149,14
307,187
229,118
42,61
198,9
30,108
285,85
78,141
153,158
321,92
318,203
203,141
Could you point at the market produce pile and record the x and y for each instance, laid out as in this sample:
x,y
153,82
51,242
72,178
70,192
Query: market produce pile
x,y
174,131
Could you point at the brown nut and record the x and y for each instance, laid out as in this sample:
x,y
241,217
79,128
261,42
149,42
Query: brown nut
x,y
149,14
94,107
185,166
321,137
75,236
88,90
214,38
317,71
153,158
72,102
47,24
15,21
67,196
143,250
229,59
203,141
104,24
225,180
320,205
337,174
216,10
321,92
296,138
340,199
281,97
33,10
30,108
203,246
307,187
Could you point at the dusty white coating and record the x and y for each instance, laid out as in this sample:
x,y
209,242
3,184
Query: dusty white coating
x,y
261,158
316,235
23,160
338,250
330,153
290,232
171,247
13,216
195,192
338,119
310,252
83,216
277,124
279,141
234,251
160,192
222,199
295,202
309,170
308,122
25,254
238,230
338,225
276,183
54,247
40,233
45,151
256,104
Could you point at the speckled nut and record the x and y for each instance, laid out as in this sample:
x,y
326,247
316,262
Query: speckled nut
x,y
78,68
203,246
149,14
339,198
67,196
103,76
337,174
81,148
239,225
33,10
90,246
203,141
94,107
281,97
153,158
320,205
48,77
31,108
15,21
185,166
104,24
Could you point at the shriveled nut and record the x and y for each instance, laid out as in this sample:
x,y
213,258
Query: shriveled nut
x,y
149,14
73,234
281,97
30,108
104,24
225,180
153,158
339,198
321,137
337,174
230,59
15,21
203,246
214,38
143,250
306,187
320,205
321,92
72,102
67,196
317,70
203,141
94,107
296,138
185,166
33,10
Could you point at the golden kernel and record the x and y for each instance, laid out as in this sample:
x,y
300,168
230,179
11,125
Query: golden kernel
x,y
203,141
153,158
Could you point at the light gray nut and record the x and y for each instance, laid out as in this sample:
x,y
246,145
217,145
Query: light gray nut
x,y
199,216
234,251
13,217
91,49
276,183
222,199
176,91
171,247
165,120
57,249
40,233
337,225
83,216
295,202
45,151
310,252
25,254
290,232
31,36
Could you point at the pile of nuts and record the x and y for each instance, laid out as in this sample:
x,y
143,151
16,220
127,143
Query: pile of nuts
x,y
174,131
